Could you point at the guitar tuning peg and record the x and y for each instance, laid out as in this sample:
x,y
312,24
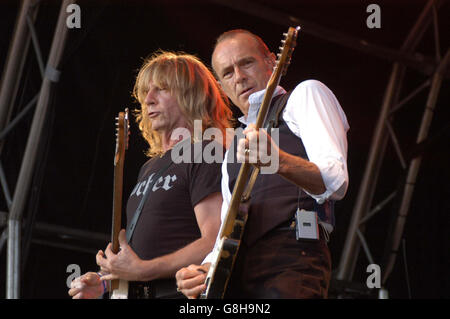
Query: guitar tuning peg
x,y
283,41
285,34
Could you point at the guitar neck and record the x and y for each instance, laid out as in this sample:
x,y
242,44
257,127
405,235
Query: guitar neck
x,y
117,206
119,159
244,171
238,190
273,83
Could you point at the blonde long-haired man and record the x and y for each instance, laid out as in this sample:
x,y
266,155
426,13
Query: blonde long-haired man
x,y
181,215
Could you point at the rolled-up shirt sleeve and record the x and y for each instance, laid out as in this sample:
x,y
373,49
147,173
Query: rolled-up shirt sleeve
x,y
314,114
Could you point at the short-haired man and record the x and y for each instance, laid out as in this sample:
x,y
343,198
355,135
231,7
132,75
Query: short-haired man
x,y
312,174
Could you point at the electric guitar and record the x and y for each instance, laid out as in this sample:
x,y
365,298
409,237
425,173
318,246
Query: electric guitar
x,y
234,223
119,287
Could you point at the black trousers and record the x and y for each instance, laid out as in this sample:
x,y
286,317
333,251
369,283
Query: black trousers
x,y
279,266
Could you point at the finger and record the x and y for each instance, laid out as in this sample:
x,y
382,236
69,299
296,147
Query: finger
x,y
241,153
90,278
194,292
78,296
184,274
99,257
242,144
192,282
254,146
108,251
72,292
249,128
196,270
109,277
122,238
100,254
201,270
191,276
181,274
252,139
265,140
75,283
206,267
102,262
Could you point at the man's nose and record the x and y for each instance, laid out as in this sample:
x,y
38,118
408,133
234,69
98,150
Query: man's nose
x,y
149,98
241,76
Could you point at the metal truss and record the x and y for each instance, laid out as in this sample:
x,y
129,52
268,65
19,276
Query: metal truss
x,y
24,31
364,208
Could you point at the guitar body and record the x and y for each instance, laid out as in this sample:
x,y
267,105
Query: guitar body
x,y
121,292
227,250
234,222
218,279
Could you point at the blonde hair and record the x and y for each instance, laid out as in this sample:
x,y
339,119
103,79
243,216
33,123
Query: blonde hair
x,y
197,92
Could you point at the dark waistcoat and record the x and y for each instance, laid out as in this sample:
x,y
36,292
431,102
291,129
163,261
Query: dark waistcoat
x,y
274,200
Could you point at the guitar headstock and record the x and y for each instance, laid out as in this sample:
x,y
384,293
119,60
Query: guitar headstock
x,y
127,128
283,59
286,49
122,135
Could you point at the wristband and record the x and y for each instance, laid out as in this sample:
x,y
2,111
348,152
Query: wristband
x,y
103,282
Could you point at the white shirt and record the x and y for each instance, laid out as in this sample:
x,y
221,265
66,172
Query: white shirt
x,y
313,114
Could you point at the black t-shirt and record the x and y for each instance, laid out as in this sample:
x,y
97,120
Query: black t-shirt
x,y
167,221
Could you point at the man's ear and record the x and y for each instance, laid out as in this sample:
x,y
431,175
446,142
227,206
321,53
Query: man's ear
x,y
271,59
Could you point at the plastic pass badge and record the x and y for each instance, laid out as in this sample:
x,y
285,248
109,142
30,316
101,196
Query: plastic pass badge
x,y
307,225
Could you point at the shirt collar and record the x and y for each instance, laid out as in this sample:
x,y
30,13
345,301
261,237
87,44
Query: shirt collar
x,y
255,100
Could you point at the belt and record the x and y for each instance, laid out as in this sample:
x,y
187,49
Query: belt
x,y
155,289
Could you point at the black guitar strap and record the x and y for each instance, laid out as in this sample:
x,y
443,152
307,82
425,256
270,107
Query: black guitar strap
x,y
132,225
274,113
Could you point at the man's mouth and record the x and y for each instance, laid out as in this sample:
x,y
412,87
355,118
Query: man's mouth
x,y
153,114
246,92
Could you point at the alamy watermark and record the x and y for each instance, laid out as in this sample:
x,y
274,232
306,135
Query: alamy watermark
x,y
74,19
75,272
214,153
374,279
374,19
